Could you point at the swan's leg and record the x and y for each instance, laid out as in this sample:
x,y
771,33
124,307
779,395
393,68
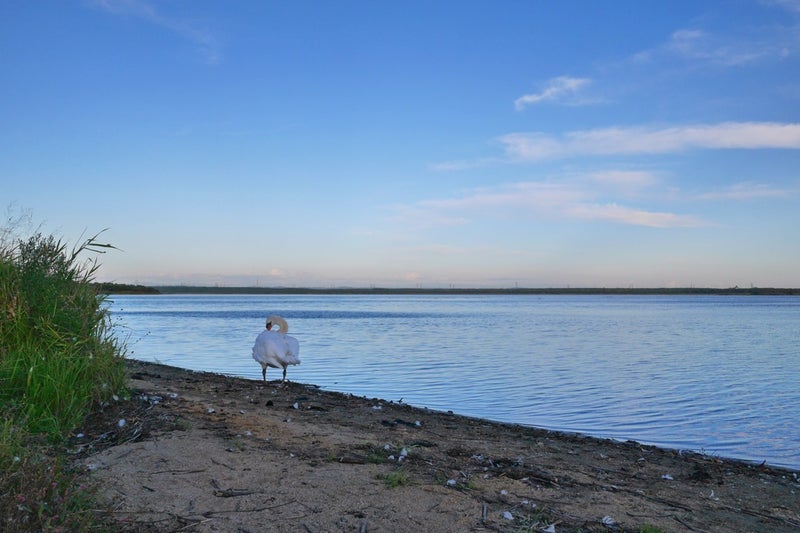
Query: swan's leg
x,y
264,373
284,374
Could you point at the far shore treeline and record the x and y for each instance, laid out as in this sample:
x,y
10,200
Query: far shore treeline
x,y
119,288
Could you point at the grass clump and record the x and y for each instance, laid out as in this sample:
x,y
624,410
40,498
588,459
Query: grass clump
x,y
58,359
396,478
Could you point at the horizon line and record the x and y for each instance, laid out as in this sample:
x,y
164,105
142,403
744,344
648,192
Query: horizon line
x,y
110,287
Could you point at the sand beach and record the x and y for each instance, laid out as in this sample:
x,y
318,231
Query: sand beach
x,y
202,452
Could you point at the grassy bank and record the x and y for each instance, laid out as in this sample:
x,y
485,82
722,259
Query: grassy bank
x,y
58,360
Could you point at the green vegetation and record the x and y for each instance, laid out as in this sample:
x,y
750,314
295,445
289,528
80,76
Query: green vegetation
x,y
396,478
647,528
535,520
58,359
124,288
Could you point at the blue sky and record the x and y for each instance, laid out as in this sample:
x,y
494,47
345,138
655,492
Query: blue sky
x,y
416,143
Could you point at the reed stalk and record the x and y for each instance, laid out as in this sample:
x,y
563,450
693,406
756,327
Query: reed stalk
x,y
58,360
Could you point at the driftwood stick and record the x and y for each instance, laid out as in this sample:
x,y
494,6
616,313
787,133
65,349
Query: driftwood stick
x,y
179,471
209,514
192,523
222,464
232,493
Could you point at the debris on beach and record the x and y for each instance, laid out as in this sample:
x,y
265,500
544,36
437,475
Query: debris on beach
x,y
609,522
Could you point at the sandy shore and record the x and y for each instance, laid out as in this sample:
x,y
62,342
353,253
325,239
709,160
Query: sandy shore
x,y
203,452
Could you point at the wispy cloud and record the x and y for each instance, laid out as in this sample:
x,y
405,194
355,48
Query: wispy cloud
x,y
205,42
641,140
745,44
746,191
560,88
706,47
464,164
624,178
635,217
537,199
529,195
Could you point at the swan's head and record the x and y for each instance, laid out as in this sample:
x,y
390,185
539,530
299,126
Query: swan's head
x,y
275,320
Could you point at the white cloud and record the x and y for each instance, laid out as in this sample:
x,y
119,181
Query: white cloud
x,y
635,217
640,140
464,164
742,45
708,48
525,195
557,88
206,43
746,191
554,200
624,178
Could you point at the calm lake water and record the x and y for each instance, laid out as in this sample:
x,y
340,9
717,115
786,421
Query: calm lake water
x,y
715,374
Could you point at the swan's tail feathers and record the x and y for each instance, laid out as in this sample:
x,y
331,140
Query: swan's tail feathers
x,y
292,355
276,320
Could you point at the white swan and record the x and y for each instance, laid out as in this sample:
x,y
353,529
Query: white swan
x,y
276,348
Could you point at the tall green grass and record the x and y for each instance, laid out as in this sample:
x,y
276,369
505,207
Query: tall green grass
x,y
58,360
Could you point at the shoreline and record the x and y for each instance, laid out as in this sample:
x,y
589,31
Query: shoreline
x,y
121,288
754,463
700,451
293,457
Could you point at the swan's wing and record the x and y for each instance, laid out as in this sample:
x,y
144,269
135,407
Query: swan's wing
x,y
291,354
267,348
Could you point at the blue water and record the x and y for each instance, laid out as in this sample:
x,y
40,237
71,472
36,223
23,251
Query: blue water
x,y
714,374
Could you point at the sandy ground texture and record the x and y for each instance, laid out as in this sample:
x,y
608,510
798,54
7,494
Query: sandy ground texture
x,y
203,452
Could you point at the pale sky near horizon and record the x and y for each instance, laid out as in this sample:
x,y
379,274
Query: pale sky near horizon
x,y
410,144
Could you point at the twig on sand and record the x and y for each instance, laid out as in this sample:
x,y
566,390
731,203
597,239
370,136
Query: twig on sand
x,y
178,471
192,523
232,493
222,464
684,524
209,514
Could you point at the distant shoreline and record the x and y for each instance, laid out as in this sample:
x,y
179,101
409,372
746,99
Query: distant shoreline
x,y
118,288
